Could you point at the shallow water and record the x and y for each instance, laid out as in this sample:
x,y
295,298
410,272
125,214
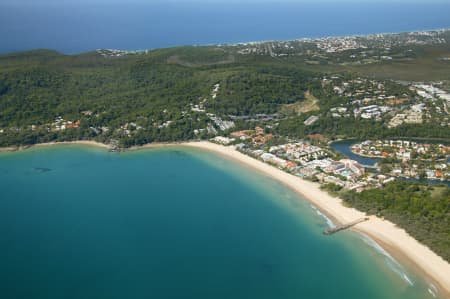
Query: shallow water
x,y
78,222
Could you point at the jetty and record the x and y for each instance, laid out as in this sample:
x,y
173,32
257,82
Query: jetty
x,y
333,230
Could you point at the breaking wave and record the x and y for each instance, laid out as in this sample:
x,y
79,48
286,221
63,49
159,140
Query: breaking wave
x,y
389,260
330,223
432,290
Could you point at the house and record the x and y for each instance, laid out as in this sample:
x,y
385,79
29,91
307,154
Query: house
x,y
311,120
317,137
439,173
223,140
290,164
270,158
431,174
242,134
262,139
259,130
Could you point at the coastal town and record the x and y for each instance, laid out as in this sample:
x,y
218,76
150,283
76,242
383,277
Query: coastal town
x,y
408,159
337,97
225,149
321,116
398,159
387,102
406,103
349,50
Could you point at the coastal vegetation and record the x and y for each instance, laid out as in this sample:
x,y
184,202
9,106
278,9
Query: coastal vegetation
x,y
269,94
422,210
166,94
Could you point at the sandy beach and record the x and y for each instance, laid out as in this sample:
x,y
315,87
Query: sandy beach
x,y
393,239
93,144
79,142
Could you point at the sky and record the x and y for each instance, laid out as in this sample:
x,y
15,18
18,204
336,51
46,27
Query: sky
x,y
86,3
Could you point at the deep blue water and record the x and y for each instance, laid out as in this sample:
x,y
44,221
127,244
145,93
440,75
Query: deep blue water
x,y
79,222
77,26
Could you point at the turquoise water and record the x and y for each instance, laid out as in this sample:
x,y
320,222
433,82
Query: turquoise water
x,y
78,222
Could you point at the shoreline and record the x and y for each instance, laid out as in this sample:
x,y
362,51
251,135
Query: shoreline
x,y
366,156
54,143
230,43
393,239
93,143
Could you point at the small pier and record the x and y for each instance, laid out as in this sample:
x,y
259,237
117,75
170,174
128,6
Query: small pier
x,y
333,230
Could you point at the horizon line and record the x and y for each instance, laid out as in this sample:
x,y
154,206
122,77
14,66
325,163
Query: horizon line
x,y
231,44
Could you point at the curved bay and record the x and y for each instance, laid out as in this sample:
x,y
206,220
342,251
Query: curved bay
x,y
173,223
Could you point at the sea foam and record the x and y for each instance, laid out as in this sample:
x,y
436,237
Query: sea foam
x,y
432,290
329,222
389,260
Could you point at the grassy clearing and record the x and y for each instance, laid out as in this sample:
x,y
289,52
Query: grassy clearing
x,y
309,104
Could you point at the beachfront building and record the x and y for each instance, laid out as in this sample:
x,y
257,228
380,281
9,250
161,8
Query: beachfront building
x,y
223,140
347,168
272,159
300,151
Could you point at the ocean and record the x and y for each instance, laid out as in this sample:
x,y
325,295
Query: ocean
x,y
80,222
78,26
